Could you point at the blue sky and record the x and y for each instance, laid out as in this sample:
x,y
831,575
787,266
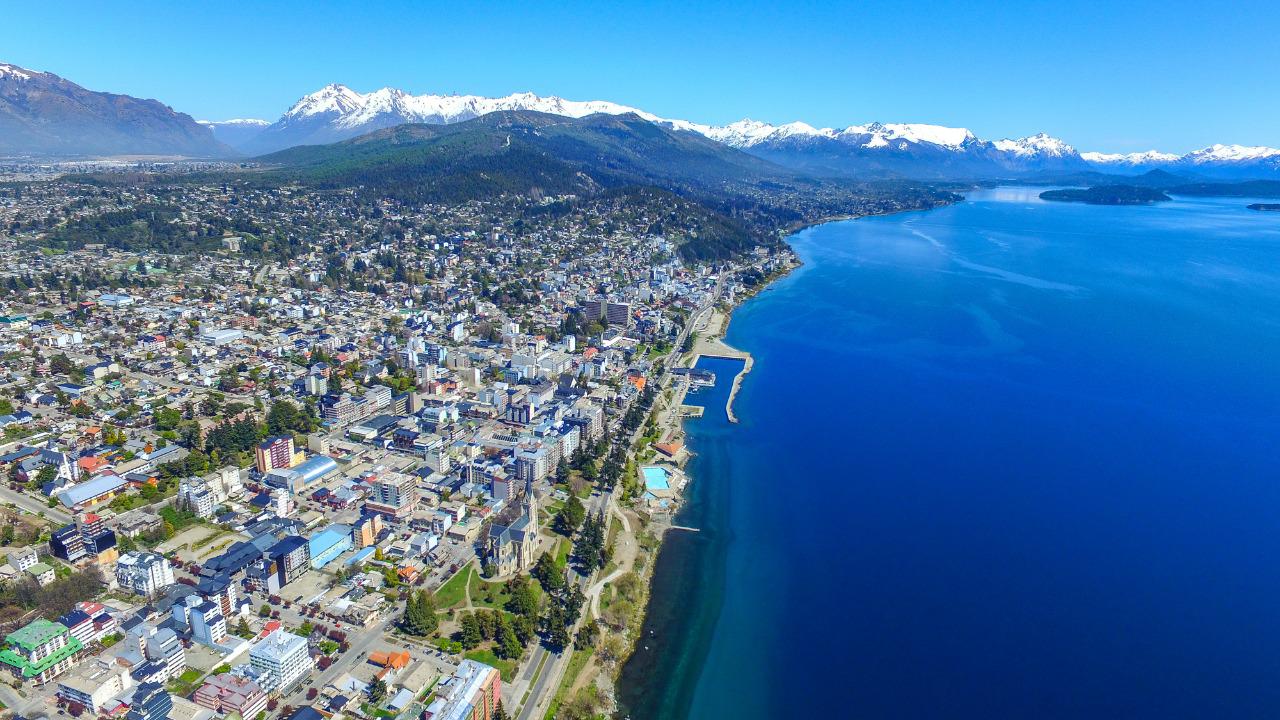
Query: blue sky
x,y
1170,75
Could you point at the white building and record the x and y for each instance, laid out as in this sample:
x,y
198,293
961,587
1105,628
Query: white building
x,y
144,573
203,618
282,659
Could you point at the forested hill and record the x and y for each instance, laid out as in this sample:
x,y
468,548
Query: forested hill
x,y
741,200
525,152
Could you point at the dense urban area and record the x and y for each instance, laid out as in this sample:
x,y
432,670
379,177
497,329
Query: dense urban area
x,y
277,451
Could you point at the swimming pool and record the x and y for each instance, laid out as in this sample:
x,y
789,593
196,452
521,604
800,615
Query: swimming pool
x,y
656,478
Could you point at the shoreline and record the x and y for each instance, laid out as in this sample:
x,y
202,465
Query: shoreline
x,y
714,347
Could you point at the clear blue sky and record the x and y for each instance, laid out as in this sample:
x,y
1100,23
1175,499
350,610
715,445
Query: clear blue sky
x,y
1173,75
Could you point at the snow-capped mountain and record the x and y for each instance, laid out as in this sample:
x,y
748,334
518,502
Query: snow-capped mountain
x,y
914,150
336,112
235,132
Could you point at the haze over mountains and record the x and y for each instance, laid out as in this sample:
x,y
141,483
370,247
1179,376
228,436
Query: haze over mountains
x,y
44,115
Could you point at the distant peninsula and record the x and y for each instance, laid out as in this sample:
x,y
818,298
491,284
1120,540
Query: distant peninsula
x,y
1108,195
1265,206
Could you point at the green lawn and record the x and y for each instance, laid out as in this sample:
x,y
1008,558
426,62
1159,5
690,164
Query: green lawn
x,y
185,684
454,592
577,662
562,553
506,667
488,594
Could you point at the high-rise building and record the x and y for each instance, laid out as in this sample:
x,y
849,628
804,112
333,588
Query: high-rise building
x,y
393,494
618,313
282,659
144,573
202,618
275,452
366,530
163,651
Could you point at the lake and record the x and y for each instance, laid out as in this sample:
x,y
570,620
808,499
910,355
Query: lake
x,y
1003,459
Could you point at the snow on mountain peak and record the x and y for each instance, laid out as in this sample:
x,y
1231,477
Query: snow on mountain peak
x,y
332,98
1040,144
917,133
241,122
1150,157
14,71
1231,153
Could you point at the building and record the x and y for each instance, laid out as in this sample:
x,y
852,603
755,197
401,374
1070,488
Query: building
x,y
220,336
274,453
618,313
513,535
88,537
23,558
197,494
202,618
40,651
283,660
43,573
222,591
163,651
94,491
533,462
150,702
328,544
225,694
144,573
95,686
286,561
393,494
366,531
471,693
298,477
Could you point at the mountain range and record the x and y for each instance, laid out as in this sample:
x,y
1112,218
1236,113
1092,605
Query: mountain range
x,y
42,114
876,150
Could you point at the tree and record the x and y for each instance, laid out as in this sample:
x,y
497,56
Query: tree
x,y
420,614
589,547
587,634
570,517
508,643
548,574
377,691
471,635
242,629
521,600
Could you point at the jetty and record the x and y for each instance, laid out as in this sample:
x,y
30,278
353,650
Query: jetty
x,y
710,344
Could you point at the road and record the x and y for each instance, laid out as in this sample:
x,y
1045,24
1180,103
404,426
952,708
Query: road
x,y
362,640
601,503
34,506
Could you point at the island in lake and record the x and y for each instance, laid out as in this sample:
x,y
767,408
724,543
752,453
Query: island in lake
x,y
1265,206
1108,195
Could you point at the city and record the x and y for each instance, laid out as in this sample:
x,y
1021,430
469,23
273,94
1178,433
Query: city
x,y
364,457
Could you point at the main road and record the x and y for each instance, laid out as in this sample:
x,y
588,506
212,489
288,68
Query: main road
x,y
539,699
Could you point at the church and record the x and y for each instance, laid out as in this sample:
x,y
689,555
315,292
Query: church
x,y
512,542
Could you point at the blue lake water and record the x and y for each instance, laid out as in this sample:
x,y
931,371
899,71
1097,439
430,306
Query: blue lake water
x,y
1005,459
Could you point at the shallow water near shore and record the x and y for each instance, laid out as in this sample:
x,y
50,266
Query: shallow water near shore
x,y
1007,458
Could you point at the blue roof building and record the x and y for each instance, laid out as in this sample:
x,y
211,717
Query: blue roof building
x,y
329,543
